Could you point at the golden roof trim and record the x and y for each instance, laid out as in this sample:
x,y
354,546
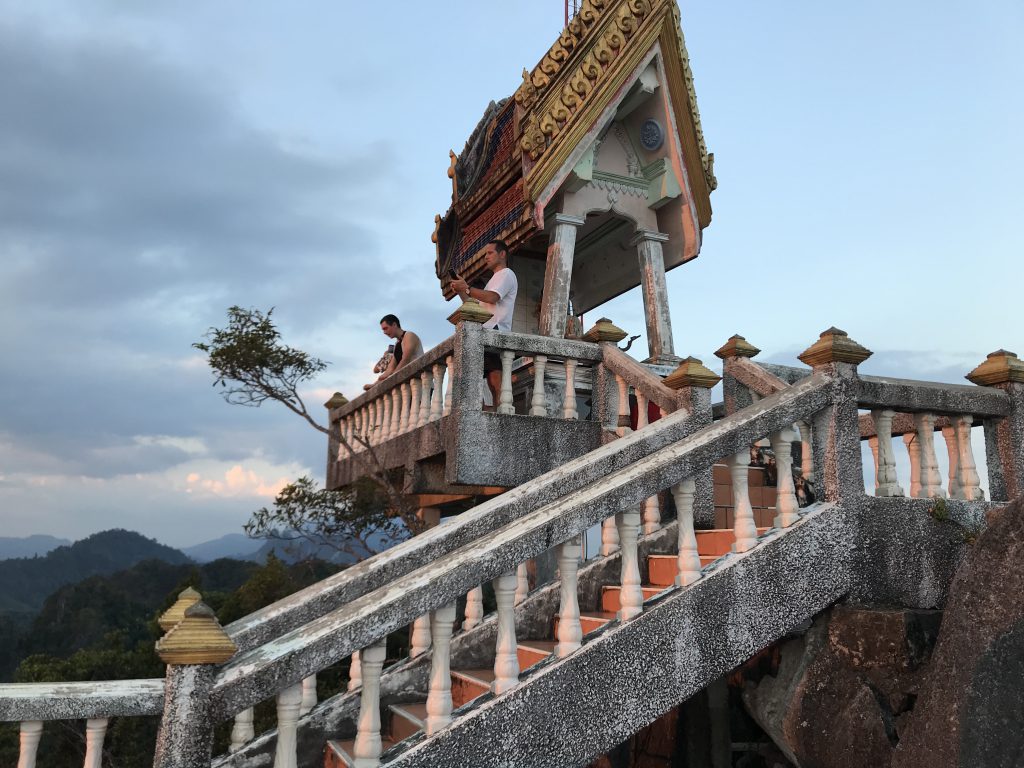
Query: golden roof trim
x,y
1000,367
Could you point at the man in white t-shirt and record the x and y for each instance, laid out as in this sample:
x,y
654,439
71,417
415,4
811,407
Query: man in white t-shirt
x,y
499,298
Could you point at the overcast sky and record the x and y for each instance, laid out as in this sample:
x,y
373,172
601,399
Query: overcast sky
x,y
162,161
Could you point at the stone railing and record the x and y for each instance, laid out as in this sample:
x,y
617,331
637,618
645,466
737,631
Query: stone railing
x,y
33,704
286,644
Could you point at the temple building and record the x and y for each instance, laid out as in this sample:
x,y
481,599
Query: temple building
x,y
595,172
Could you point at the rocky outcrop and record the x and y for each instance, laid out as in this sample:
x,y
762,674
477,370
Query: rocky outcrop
x,y
842,690
971,704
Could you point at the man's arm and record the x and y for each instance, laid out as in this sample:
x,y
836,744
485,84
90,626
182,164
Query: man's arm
x,y
462,288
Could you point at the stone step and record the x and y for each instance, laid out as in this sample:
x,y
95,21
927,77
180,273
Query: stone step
x,y
590,621
531,652
718,542
339,754
610,596
407,719
467,684
662,569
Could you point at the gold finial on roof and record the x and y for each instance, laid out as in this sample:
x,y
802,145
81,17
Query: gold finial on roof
x,y
834,346
471,311
692,373
604,330
1000,367
197,639
736,346
186,598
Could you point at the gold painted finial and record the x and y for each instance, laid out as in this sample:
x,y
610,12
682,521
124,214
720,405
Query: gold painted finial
x,y
1000,367
736,346
471,311
337,400
692,373
604,330
197,639
834,346
187,597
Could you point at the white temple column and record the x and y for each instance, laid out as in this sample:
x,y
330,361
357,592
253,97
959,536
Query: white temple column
x,y
655,291
554,306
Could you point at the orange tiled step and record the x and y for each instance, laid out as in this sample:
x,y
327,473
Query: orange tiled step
x,y
610,596
338,754
531,652
407,719
467,684
590,621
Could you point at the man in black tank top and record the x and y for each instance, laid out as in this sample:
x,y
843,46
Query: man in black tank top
x,y
407,346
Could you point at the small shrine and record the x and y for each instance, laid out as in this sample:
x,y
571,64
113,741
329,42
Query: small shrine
x,y
594,172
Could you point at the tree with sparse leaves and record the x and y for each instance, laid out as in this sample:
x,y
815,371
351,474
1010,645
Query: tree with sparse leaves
x,y
251,365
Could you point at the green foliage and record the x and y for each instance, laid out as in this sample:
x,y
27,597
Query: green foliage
x,y
252,366
356,520
939,510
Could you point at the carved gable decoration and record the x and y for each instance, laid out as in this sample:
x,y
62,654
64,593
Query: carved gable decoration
x,y
517,151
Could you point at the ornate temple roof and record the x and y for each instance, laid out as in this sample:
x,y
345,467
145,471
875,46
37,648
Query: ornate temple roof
x,y
511,164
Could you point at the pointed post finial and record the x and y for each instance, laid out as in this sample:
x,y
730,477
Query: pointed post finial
x,y
692,373
186,598
736,346
337,400
834,346
604,330
471,311
197,639
1000,367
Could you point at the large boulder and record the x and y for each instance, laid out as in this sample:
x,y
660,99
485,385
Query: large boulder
x,y
971,706
842,690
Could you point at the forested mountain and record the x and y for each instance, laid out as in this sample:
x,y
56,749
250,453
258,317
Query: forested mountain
x,y
28,546
235,545
26,582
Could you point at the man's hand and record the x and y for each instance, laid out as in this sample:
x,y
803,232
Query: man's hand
x,y
460,286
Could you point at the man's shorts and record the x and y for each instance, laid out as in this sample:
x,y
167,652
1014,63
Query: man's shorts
x,y
492,362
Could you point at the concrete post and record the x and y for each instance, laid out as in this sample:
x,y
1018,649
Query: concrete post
x,y
736,396
836,429
655,291
557,275
190,650
1004,438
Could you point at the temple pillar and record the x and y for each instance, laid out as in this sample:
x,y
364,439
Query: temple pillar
x,y
554,305
655,290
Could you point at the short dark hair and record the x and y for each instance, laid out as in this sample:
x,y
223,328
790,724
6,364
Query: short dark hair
x,y
391,320
500,245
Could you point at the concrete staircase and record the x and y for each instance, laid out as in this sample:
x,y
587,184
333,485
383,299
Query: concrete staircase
x,y
402,721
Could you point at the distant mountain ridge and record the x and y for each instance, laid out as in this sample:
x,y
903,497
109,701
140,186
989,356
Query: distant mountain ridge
x,y
25,583
234,545
29,546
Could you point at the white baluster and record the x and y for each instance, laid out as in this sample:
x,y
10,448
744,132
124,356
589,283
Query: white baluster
x,y
539,404
414,402
505,398
288,703
419,642
354,431
913,446
367,747
970,482
403,408
688,559
474,608
569,406
385,426
624,427
396,412
242,730
355,672
787,508
806,459
506,660
609,537
31,730
308,695
873,445
437,393
448,386
522,583
374,422
95,731
425,381
570,633
953,449
885,474
651,514
744,528
631,594
931,482
439,698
